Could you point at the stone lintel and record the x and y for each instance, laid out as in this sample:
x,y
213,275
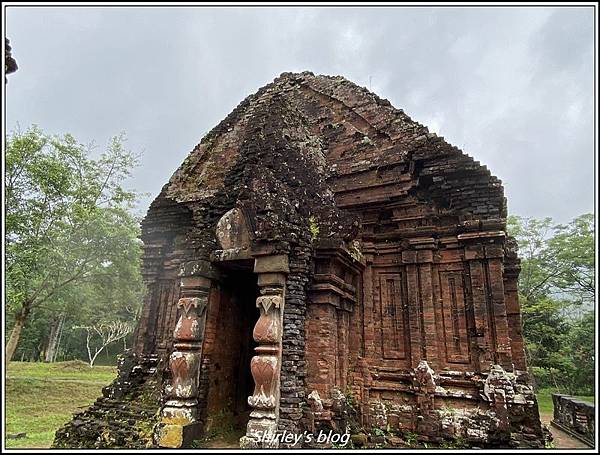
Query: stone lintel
x,y
264,248
233,254
270,264
271,279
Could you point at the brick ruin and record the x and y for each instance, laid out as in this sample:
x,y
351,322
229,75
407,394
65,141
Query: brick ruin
x,y
322,261
575,417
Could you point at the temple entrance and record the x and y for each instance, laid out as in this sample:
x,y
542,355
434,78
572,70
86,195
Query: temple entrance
x,y
230,378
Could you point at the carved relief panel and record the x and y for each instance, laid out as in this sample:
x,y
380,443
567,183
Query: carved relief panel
x,y
393,307
455,322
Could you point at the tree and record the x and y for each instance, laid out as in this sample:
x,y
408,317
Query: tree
x,y
579,349
68,223
572,248
557,260
56,330
105,333
556,290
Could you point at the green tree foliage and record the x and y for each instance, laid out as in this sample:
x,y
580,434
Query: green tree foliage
x,y
72,245
556,292
572,247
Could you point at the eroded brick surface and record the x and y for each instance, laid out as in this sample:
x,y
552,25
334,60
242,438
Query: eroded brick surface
x,y
401,309
576,417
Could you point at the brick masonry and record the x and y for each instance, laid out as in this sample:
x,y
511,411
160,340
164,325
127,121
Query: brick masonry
x,y
576,417
401,309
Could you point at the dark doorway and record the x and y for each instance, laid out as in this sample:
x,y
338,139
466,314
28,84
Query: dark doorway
x,y
230,381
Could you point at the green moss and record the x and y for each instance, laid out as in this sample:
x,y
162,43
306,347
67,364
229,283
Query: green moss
x,y
313,227
457,443
354,250
378,431
411,439
145,428
366,140
350,399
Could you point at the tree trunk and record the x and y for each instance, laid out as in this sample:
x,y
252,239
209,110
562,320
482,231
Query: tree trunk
x,y
60,333
52,346
15,334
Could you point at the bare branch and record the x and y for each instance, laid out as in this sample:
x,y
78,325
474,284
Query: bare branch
x,y
107,333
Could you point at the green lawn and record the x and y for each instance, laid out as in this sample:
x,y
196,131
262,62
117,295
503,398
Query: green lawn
x,y
544,397
41,397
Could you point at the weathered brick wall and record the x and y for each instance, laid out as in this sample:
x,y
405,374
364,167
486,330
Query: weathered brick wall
x,y
126,413
423,270
293,368
576,417
433,235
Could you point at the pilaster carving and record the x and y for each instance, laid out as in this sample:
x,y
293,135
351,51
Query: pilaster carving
x,y
266,364
179,415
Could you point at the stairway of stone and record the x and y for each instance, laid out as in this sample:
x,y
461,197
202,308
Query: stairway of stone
x,y
124,416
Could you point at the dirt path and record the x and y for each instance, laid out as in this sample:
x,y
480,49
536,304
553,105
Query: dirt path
x,y
562,440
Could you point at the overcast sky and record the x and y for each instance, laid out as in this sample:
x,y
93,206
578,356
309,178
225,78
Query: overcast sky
x,y
512,87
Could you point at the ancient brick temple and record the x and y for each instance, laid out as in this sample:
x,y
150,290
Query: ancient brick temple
x,y
322,261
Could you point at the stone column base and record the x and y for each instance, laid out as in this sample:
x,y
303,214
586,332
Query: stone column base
x,y
175,435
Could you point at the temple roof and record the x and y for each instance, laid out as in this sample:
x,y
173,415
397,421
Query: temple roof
x,y
310,145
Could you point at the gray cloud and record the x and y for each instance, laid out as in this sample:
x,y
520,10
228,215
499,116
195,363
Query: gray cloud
x,y
513,87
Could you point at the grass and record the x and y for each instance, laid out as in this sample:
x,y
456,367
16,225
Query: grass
x,y
545,405
41,397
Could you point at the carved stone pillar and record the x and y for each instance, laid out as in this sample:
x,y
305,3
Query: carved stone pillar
x,y
424,384
266,364
179,424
